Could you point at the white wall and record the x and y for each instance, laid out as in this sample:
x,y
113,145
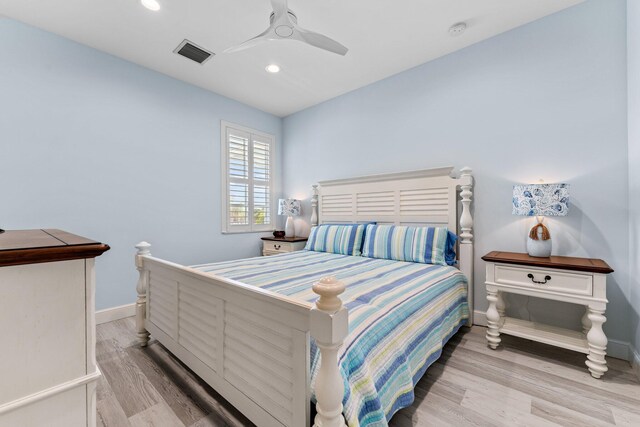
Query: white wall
x,y
547,100
104,148
633,64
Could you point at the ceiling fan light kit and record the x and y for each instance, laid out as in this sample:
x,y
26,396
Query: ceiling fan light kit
x,y
284,25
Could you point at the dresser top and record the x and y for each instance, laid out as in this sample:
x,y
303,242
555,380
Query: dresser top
x,y
590,265
19,247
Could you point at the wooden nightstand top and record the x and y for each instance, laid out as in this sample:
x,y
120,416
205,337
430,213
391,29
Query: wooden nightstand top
x,y
590,265
286,239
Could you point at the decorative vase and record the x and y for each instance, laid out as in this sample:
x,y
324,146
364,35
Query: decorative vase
x,y
539,242
289,229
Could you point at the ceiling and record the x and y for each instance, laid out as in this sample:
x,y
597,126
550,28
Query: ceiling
x,y
384,37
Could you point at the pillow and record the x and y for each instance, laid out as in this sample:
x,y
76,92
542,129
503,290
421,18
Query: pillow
x,y
450,250
427,245
344,239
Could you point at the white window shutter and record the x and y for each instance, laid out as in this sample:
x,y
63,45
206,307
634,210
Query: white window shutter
x,y
262,194
247,179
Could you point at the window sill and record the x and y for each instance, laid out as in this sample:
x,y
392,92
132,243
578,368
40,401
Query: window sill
x,y
271,230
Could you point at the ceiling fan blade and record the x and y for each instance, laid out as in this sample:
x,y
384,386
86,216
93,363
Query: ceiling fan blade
x,y
262,37
319,41
280,8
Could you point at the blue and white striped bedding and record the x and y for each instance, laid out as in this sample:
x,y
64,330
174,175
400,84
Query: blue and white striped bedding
x,y
400,316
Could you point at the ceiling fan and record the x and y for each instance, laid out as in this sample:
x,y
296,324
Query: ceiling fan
x,y
284,25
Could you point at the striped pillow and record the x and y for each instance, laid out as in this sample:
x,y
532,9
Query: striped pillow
x,y
344,239
427,245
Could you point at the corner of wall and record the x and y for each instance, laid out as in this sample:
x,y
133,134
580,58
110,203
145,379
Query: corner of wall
x,y
633,155
635,360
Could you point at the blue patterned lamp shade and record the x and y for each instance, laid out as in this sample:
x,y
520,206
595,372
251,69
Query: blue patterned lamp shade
x,y
541,199
289,207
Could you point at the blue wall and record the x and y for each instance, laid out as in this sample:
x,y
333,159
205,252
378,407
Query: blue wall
x,y
547,100
106,149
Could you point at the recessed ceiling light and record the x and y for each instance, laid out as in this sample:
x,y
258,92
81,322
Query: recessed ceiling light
x,y
151,4
272,68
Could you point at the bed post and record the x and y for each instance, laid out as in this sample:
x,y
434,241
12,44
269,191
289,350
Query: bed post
x,y
329,327
141,303
314,206
466,234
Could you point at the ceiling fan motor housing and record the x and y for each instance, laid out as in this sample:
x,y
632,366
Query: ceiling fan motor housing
x,y
284,30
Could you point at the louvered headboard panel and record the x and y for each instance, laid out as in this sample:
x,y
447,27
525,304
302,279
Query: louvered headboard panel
x,y
426,197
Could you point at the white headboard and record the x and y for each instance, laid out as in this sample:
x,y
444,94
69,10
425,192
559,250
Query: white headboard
x,y
423,197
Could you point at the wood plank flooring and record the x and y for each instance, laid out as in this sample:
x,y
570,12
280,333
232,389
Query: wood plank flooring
x,y
521,384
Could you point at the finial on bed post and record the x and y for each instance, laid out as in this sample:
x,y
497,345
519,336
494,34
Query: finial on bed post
x,y
141,303
314,206
466,234
329,327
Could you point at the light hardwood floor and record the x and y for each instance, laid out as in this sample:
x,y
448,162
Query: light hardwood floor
x,y
521,384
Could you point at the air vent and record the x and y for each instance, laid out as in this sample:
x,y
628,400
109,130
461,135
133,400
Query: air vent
x,y
191,51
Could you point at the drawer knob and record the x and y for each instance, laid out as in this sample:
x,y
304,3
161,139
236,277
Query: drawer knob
x,y
533,279
277,247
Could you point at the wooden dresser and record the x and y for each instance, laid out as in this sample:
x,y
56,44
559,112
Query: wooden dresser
x,y
48,368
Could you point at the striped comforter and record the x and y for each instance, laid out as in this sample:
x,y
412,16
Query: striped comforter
x,y
400,315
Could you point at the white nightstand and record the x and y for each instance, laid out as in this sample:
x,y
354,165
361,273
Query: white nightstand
x,y
275,246
575,280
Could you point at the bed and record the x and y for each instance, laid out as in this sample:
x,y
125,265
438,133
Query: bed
x,y
267,340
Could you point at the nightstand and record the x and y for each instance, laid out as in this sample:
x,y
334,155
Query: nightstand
x,y
275,246
574,280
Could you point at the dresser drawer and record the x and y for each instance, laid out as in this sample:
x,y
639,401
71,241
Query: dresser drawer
x,y
544,279
270,247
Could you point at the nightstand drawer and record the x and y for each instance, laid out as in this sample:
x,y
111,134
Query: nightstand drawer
x,y
272,247
543,279
277,246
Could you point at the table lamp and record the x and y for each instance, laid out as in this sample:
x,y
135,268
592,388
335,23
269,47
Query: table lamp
x,y
290,208
540,200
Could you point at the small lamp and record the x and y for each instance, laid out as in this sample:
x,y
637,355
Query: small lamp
x,y
290,208
540,200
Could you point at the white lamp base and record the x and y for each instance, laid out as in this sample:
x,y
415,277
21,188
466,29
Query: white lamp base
x,y
539,248
289,229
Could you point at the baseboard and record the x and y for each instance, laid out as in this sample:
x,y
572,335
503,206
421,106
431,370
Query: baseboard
x,y
479,318
615,348
635,360
115,313
619,349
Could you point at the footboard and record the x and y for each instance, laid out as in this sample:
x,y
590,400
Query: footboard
x,y
251,345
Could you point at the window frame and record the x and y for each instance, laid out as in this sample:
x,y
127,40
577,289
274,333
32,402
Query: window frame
x,y
227,227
